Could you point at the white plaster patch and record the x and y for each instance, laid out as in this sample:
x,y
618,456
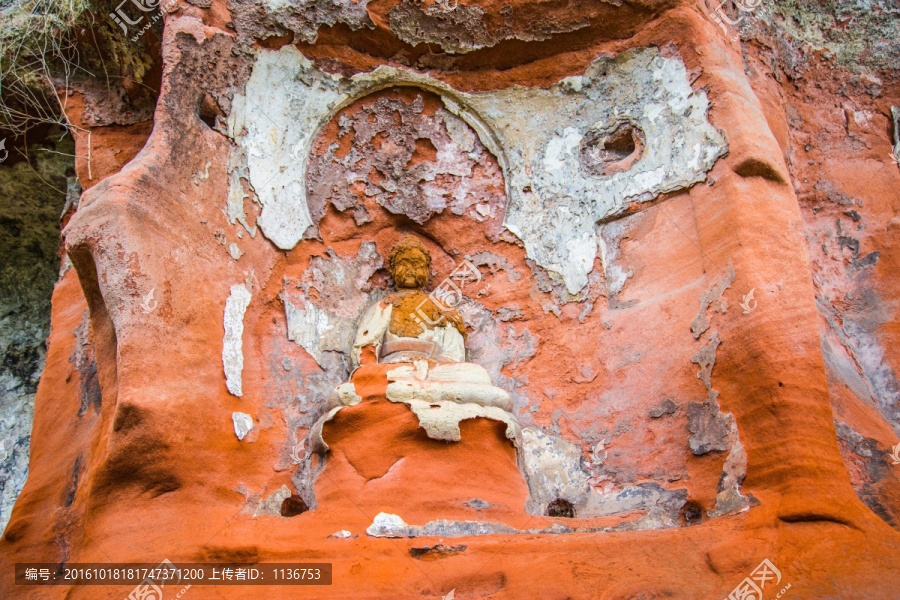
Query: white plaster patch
x,y
271,506
316,441
392,526
234,203
462,383
460,372
344,395
313,328
535,133
729,498
285,102
460,392
386,525
610,236
447,402
243,423
372,327
321,309
553,470
232,351
440,420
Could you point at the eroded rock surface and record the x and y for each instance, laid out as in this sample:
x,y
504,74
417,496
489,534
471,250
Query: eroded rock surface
x,y
684,235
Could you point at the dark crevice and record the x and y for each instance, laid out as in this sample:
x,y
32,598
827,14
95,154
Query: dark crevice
x,y
293,506
72,488
103,333
691,513
812,517
208,110
605,152
754,167
561,508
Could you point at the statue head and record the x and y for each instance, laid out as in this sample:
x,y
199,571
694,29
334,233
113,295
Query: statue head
x,y
409,263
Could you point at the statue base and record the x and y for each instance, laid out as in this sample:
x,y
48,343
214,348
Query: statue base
x,y
381,458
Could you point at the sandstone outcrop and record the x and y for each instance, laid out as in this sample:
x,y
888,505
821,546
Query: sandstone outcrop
x,y
687,255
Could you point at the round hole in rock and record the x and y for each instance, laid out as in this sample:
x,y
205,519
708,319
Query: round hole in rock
x,y
604,152
691,513
560,508
208,110
293,506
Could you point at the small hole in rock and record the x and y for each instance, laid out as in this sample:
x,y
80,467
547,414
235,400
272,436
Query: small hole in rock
x,y
560,508
621,142
692,513
208,111
603,153
293,506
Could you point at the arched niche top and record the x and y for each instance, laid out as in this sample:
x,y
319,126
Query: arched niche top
x,y
286,104
400,148
452,100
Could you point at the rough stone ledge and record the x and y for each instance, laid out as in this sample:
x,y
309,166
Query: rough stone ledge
x,y
392,526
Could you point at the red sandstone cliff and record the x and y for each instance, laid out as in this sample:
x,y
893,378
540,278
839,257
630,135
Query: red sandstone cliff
x,y
711,430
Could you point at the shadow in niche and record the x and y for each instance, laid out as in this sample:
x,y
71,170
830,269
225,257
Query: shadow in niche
x,y
103,332
98,387
124,450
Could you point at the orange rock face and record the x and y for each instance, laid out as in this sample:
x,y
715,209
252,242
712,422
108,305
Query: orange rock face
x,y
383,461
721,391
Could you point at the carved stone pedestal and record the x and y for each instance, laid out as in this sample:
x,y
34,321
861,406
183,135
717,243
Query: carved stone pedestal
x,y
380,457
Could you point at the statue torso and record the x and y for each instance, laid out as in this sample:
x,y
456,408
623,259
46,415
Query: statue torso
x,y
414,312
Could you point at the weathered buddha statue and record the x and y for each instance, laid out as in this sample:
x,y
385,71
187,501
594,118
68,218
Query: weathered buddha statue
x,y
411,386
417,344
409,325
